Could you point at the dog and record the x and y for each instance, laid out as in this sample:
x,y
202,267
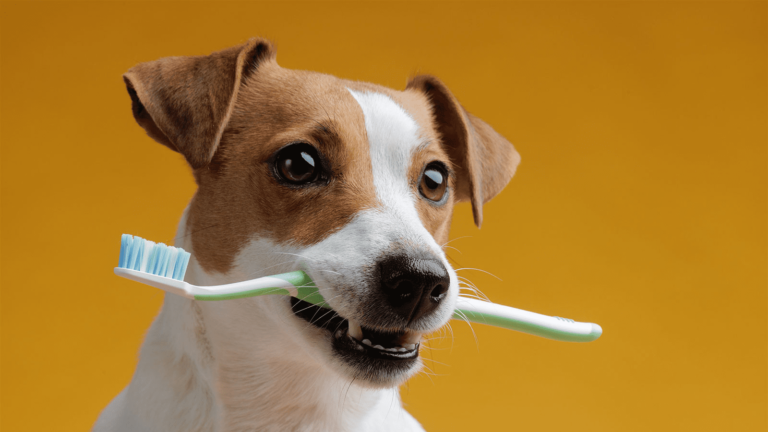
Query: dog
x,y
352,182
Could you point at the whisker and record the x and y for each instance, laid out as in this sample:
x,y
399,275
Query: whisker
x,y
437,362
253,274
463,316
451,247
427,375
453,337
433,373
476,297
453,240
329,271
469,284
480,270
296,255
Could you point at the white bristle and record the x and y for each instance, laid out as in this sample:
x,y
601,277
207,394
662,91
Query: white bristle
x,y
148,246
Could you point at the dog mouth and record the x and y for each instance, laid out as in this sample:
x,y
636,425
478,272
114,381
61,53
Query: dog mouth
x,y
366,348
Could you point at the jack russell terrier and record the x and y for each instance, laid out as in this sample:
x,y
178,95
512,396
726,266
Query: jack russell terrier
x,y
351,182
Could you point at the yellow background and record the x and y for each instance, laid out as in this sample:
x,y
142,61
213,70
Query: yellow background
x,y
640,203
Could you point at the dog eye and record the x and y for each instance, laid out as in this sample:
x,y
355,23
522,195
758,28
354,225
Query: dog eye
x,y
297,164
434,182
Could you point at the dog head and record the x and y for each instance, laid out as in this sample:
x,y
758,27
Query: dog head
x,y
351,182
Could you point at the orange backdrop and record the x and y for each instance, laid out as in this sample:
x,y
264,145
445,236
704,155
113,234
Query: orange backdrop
x,y
640,203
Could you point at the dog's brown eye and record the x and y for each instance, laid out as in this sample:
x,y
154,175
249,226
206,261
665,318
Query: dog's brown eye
x,y
434,182
297,164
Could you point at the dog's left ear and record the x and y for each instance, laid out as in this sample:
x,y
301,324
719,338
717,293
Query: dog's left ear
x,y
484,160
185,103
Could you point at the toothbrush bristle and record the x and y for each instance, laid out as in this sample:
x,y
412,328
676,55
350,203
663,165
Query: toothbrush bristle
x,y
154,258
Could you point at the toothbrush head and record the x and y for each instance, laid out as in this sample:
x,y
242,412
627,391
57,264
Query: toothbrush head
x,y
153,258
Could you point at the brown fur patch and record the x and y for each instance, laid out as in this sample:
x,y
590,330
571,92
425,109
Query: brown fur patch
x,y
239,195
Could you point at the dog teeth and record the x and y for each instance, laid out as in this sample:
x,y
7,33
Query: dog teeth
x,y
395,349
355,330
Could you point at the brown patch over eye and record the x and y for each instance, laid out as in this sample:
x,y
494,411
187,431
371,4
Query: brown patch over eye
x,y
434,182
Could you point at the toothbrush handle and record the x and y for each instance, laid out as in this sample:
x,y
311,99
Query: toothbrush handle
x,y
296,284
561,329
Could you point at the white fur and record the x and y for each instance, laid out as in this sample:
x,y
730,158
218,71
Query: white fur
x,y
337,263
251,364
392,137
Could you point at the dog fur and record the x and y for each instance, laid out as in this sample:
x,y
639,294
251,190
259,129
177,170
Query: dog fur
x,y
252,364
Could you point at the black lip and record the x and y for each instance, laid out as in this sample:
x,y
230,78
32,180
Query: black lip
x,y
372,362
318,316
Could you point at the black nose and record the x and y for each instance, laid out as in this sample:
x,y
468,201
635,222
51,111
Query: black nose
x,y
413,287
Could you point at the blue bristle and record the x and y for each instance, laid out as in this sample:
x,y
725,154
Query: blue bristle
x,y
125,242
180,258
162,255
136,264
181,265
135,248
168,265
177,266
158,256
132,250
168,270
171,263
152,260
164,262
129,251
184,263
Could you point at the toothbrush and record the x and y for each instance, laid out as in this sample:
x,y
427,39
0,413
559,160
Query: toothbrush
x,y
163,267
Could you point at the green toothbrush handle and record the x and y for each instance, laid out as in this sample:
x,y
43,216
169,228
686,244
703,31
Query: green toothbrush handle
x,y
557,328
298,284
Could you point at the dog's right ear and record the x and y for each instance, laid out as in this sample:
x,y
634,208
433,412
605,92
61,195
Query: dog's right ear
x,y
484,160
185,103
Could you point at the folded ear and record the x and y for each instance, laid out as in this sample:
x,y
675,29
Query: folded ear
x,y
483,160
185,103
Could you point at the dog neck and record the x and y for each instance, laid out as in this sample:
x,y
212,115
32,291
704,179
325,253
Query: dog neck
x,y
244,382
